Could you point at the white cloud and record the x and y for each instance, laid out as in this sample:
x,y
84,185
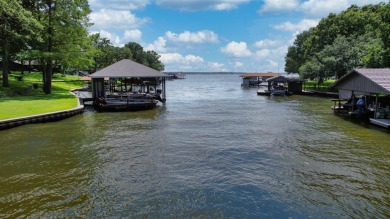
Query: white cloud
x,y
236,49
178,62
194,59
132,35
111,19
270,59
267,43
365,2
322,8
238,64
204,36
114,39
273,64
264,53
311,8
196,5
303,25
169,58
158,45
119,4
120,41
174,41
276,6
216,67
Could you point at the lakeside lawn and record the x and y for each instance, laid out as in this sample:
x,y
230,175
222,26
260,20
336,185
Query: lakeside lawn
x,y
21,99
325,86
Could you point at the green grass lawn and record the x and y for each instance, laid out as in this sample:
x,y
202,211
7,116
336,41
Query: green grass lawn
x,y
21,99
325,86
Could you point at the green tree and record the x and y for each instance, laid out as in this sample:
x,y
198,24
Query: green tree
x,y
384,30
294,58
340,57
375,56
149,58
152,60
100,44
312,69
16,28
65,35
138,54
107,53
357,37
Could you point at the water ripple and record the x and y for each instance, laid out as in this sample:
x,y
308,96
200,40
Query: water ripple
x,y
212,151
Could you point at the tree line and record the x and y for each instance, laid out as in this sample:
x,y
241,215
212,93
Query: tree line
x,y
356,37
54,33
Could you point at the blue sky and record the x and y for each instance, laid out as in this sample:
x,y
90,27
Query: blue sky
x,y
213,35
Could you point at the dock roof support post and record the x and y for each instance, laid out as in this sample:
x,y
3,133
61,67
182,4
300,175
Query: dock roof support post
x,y
164,90
353,102
376,106
98,88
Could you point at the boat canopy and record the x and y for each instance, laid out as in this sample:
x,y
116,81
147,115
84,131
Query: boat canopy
x,y
127,68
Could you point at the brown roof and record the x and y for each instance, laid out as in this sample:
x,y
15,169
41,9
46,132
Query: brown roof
x,y
369,80
128,68
268,74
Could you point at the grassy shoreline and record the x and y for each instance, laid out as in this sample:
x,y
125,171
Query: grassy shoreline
x,y
22,99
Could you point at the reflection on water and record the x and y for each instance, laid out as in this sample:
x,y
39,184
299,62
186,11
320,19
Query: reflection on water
x,y
213,150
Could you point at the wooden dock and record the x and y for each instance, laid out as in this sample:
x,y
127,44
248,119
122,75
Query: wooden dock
x,y
339,107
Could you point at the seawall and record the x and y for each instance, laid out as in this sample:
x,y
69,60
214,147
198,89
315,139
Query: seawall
x,y
40,118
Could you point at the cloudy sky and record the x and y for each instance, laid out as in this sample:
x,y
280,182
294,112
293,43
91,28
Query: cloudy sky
x,y
213,35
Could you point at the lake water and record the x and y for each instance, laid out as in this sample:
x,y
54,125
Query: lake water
x,y
215,150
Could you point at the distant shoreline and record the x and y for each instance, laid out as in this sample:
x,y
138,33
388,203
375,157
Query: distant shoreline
x,y
226,73
202,72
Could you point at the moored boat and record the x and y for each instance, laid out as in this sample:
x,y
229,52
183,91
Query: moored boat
x,y
128,102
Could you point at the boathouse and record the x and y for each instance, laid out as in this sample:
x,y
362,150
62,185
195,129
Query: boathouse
x,y
127,76
374,83
289,85
255,79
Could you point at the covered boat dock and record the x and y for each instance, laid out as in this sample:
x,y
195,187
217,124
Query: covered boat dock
x,y
256,79
128,85
374,84
281,85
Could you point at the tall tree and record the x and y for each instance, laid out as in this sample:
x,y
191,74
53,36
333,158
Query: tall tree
x,y
65,35
148,58
100,45
107,53
356,37
138,54
312,69
153,60
340,57
294,58
16,28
